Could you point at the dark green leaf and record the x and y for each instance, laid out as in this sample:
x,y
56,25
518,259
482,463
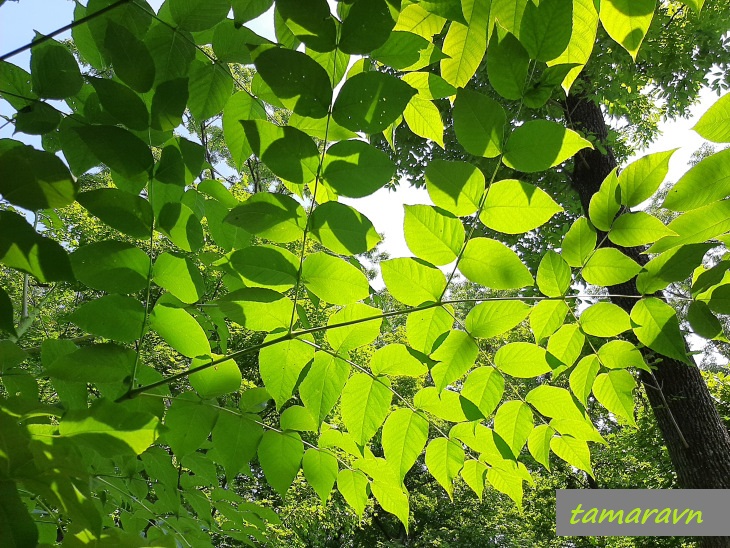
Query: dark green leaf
x,y
210,86
197,15
34,179
479,123
546,28
24,249
172,50
121,210
507,65
113,317
455,186
656,325
276,217
492,264
116,267
7,322
343,229
280,455
246,10
119,149
367,25
356,169
371,101
266,266
17,82
55,73
179,276
538,145
310,22
38,118
17,527
122,103
133,62
98,363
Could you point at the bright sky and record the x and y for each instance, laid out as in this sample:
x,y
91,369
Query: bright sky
x,y
384,208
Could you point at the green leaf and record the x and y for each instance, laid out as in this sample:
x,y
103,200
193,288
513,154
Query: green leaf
x,y
266,266
110,429
545,29
189,421
289,153
407,51
455,186
713,125
696,226
333,279
474,474
636,229
455,356
582,377
552,401
235,440
505,479
240,106
606,203
17,81
621,355
546,317
396,360
134,64
299,82
367,26
355,335
404,436
484,387
312,24
298,418
98,363
447,405
466,43
342,229
121,210
539,444
180,224
579,242
361,104
54,71
566,345
197,15
19,528
522,360
492,318
614,390
38,118
582,38
706,182
514,207
231,42
280,366
514,422
674,265
479,123
574,452
538,145
179,276
352,485
507,65
24,249
444,460
553,275
608,266
320,469
642,178
7,323
276,217
424,119
356,169
257,309
425,327
322,386
122,103
34,179
365,404
168,104
433,234
246,10
429,86
217,380
494,265
604,320
656,326
119,149
627,21
417,19
112,266
211,86
579,429
703,322
280,455
112,317
413,282
180,330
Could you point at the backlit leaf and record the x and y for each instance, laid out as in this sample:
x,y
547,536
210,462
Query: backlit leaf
x,y
706,182
320,468
358,334
479,123
276,217
280,455
355,168
413,282
627,21
484,387
456,355
455,186
445,459
280,366
112,266
641,179
538,145
514,207
614,390
365,404
494,265
432,234
333,279
713,125
608,266
514,422
522,360
492,318
604,320
553,275
656,325
343,229
405,433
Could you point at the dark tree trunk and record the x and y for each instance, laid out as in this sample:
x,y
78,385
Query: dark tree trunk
x,y
697,440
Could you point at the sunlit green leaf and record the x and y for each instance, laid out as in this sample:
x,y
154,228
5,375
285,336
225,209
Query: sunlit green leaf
x,y
180,330
455,186
627,21
579,242
621,355
365,404
444,460
280,366
706,182
113,266
413,282
455,356
355,168
494,265
538,145
361,331
521,359
320,468
479,123
322,386
641,179
216,380
396,360
635,229
553,275
280,455
608,266
484,387
432,234
574,452
614,390
343,229
276,217
604,320
582,377
113,317
405,433
492,318
546,317
465,43
514,422
333,279
656,325
514,207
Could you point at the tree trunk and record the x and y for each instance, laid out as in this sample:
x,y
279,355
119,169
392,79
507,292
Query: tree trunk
x,y
697,440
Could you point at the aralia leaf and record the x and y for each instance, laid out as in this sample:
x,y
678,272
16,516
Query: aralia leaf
x,y
636,229
656,325
367,26
608,266
546,317
641,179
210,86
484,387
492,318
216,380
112,316
704,183
479,123
539,444
396,360
311,23
424,119
574,452
322,386
197,15
455,186
268,266
553,275
121,210
333,279
507,64
432,234
405,433
180,330
538,145
413,282
365,404
179,276
604,320
582,377
353,485
579,242
425,327
545,29
444,460
494,265
280,455
54,71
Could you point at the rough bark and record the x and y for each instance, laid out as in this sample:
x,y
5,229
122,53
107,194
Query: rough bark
x,y
697,440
